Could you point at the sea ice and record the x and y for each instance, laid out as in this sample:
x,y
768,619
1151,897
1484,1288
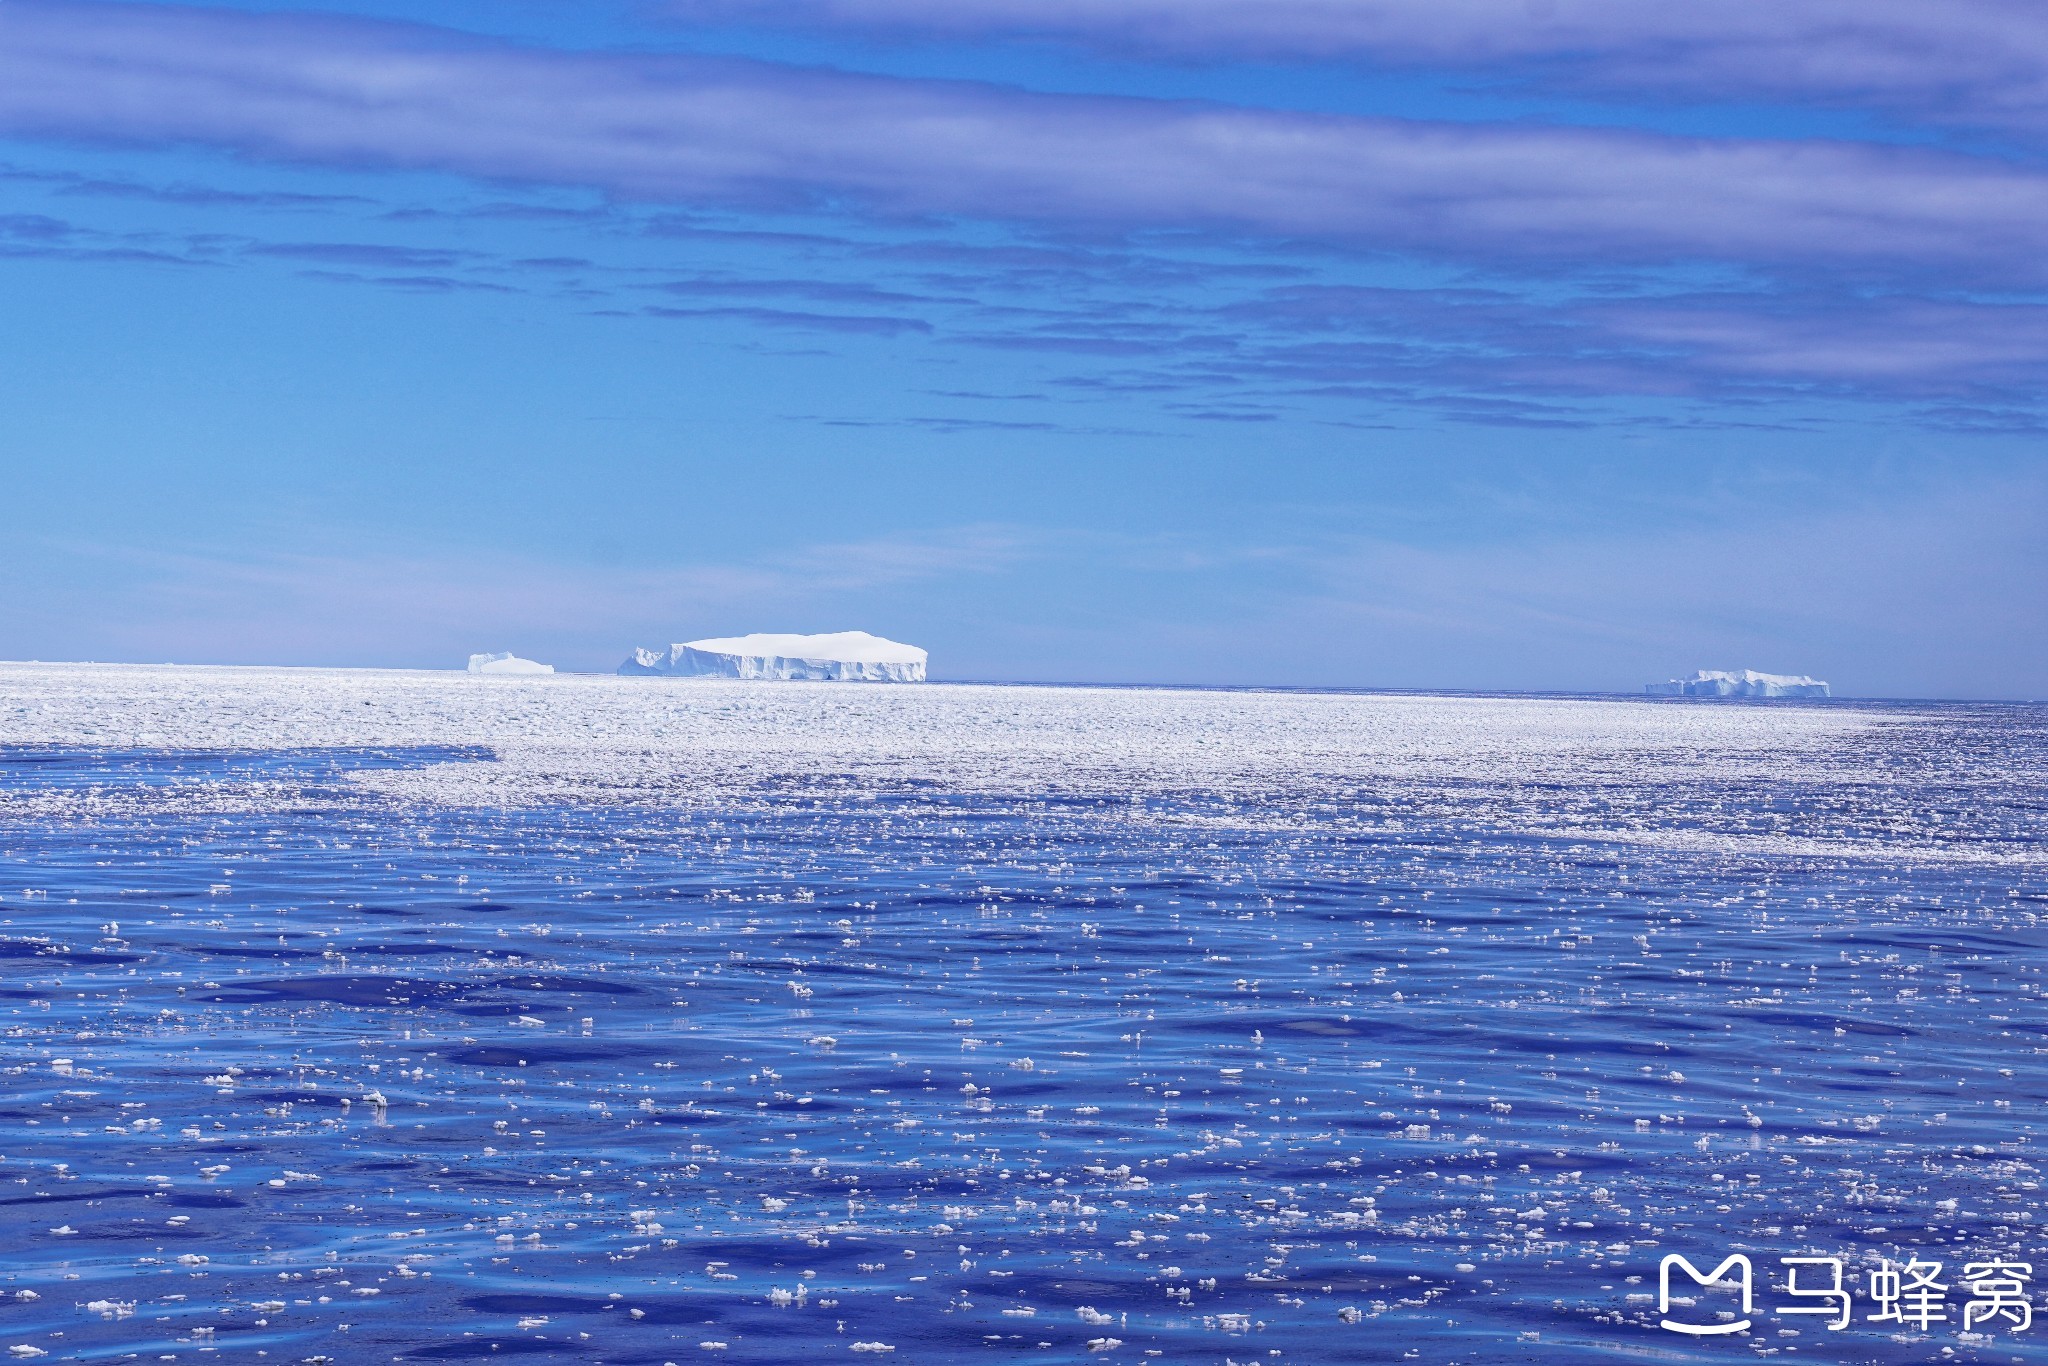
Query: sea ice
x,y
840,656
506,663
1746,683
1596,768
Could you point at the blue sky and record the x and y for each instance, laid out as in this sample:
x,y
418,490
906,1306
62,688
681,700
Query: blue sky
x,y
1473,344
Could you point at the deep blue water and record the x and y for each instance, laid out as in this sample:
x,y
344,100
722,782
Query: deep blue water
x,y
985,1079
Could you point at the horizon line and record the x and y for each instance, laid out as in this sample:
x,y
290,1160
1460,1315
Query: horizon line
x,y
1415,690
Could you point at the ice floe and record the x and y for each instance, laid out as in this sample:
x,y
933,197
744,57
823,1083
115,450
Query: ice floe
x,y
1603,769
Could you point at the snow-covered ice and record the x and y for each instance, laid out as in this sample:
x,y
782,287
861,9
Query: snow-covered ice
x,y
1738,683
506,663
1606,769
842,656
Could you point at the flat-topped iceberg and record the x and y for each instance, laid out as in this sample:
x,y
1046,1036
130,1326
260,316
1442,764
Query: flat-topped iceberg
x,y
843,656
506,663
1742,683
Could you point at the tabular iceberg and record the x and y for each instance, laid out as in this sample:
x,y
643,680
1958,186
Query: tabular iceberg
x,y
506,663
1746,683
846,656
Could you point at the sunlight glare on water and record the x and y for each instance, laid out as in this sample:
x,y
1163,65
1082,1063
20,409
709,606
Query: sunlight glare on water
x,y
869,1032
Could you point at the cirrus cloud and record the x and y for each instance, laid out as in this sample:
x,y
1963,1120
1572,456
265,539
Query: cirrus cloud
x,y
1956,61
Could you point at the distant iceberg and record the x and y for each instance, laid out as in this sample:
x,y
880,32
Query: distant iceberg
x,y
1746,683
843,656
507,663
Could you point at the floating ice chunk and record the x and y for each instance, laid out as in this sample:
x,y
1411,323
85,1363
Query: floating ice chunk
x,y
1742,683
841,656
506,663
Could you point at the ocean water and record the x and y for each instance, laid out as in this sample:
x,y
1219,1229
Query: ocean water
x,y
359,1017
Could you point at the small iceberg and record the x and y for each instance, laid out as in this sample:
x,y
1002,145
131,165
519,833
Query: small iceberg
x,y
1739,683
843,656
506,663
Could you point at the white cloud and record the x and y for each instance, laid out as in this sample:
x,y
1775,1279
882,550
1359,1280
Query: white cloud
x,y
358,93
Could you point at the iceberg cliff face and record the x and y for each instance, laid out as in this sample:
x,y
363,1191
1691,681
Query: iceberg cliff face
x,y
1745,683
507,663
646,661
843,656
